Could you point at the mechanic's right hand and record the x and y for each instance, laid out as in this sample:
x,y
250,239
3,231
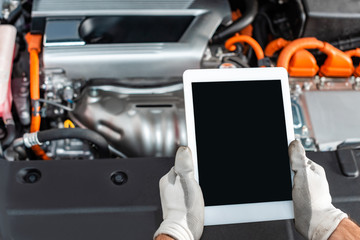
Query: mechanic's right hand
x,y
315,217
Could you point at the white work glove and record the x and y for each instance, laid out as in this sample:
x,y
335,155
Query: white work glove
x,y
315,217
181,200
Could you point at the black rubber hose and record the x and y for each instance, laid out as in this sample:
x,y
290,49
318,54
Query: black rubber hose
x,y
15,14
78,133
10,134
251,7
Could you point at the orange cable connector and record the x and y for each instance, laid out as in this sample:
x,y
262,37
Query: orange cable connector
x,y
337,64
302,63
355,53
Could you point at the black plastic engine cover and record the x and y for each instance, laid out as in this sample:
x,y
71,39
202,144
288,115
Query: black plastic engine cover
x,y
80,200
331,20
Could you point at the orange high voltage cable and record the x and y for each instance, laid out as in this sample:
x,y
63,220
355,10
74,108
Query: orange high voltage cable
x,y
291,48
275,46
245,31
337,64
355,53
302,63
34,48
230,44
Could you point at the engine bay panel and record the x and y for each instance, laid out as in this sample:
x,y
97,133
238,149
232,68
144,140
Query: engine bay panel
x,y
97,85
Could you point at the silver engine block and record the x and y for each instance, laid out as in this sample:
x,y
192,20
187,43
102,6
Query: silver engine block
x,y
136,121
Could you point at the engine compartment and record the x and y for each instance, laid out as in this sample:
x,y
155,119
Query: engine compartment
x,y
115,71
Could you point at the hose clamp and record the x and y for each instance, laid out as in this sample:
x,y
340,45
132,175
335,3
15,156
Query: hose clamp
x,y
9,121
31,139
35,107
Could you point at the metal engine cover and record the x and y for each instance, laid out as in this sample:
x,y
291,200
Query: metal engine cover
x,y
137,122
126,39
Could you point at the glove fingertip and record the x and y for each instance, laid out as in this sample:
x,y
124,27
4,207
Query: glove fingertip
x,y
296,154
296,147
183,161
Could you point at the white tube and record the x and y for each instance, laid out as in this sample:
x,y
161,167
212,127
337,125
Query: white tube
x,y
7,46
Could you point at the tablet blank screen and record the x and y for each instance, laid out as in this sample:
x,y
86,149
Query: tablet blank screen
x,y
241,142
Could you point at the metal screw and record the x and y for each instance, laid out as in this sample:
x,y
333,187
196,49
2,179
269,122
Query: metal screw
x,y
307,86
308,142
29,175
24,114
68,93
119,178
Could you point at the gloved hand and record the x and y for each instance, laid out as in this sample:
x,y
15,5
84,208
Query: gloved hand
x,y
181,200
315,217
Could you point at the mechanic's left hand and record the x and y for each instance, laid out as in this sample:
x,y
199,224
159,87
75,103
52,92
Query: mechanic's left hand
x,y
181,200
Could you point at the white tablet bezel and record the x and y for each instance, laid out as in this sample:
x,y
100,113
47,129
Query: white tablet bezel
x,y
250,212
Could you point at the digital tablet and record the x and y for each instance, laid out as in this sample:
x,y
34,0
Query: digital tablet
x,y
239,127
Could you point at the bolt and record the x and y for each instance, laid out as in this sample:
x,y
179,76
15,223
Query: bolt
x,y
305,131
119,178
24,114
29,175
307,86
308,142
68,93
298,88
32,178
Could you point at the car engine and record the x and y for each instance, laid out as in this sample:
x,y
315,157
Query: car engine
x,y
84,79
